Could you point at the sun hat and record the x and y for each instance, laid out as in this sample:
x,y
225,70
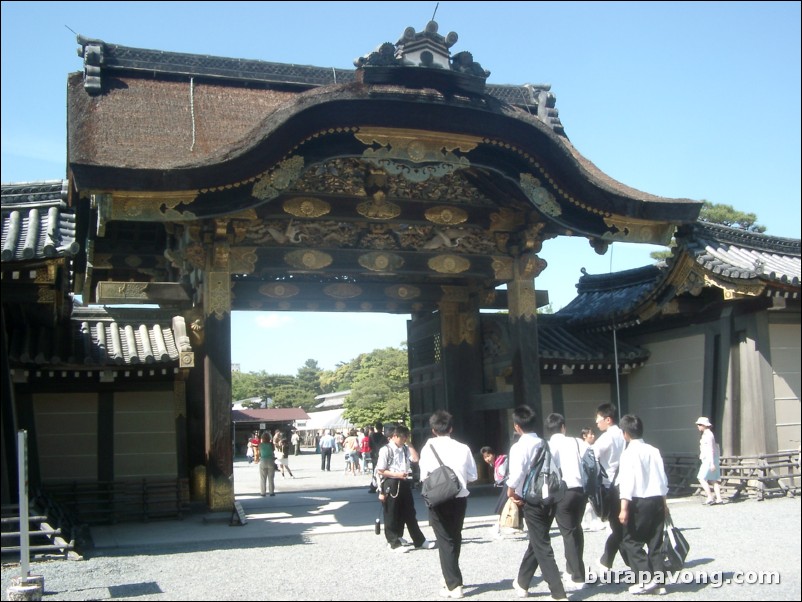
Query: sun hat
x,y
703,421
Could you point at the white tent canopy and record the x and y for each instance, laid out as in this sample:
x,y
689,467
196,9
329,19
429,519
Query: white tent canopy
x,y
327,419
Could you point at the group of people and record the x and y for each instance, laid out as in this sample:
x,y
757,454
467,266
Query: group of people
x,y
634,496
357,445
272,454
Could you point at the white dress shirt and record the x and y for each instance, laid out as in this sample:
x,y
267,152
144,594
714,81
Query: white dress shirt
x,y
566,453
608,448
521,455
455,455
641,472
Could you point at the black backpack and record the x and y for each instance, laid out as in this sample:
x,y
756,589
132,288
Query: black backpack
x,y
593,476
543,484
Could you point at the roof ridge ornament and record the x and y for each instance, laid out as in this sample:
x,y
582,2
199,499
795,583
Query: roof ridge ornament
x,y
425,50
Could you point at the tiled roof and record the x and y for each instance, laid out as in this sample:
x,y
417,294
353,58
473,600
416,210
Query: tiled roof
x,y
612,298
560,345
98,338
762,264
738,254
269,415
36,223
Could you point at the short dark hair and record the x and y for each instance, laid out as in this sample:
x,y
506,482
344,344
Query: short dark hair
x,y
401,431
632,426
526,418
586,431
487,450
554,423
607,410
441,422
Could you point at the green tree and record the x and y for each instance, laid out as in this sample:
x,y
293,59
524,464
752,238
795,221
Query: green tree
x,y
309,376
379,388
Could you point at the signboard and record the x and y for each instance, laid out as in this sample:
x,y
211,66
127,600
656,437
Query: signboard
x,y
238,517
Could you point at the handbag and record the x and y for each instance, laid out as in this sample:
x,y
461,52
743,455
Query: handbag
x,y
441,485
675,547
511,517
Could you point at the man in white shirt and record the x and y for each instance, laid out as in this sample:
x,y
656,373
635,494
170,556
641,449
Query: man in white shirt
x,y
395,471
643,487
538,517
571,508
608,448
447,518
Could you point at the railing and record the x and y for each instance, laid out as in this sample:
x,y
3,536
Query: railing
x,y
123,501
760,475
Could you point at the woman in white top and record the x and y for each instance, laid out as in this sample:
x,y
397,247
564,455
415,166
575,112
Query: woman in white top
x,y
710,470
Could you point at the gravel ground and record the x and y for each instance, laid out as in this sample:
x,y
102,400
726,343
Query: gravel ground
x,y
354,564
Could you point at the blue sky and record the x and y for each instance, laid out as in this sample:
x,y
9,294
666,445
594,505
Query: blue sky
x,y
693,100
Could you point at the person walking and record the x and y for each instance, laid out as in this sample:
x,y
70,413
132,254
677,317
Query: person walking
x,y
377,441
538,517
498,464
643,487
567,454
326,448
447,518
395,492
267,465
710,455
590,520
608,449
296,443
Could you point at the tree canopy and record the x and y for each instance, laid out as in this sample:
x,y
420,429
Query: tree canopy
x,y
724,215
379,384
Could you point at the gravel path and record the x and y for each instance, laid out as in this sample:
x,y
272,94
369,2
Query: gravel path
x,y
274,557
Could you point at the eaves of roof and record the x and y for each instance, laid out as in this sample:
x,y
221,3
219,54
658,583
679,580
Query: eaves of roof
x,y
739,255
36,222
96,340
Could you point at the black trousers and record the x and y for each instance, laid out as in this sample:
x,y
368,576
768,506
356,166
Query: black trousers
x,y
446,520
325,458
645,527
539,551
569,519
399,512
613,544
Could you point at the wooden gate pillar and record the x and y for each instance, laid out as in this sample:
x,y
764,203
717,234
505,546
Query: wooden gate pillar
x,y
523,332
461,354
217,373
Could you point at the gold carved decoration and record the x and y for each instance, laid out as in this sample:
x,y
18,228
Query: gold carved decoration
x,y
150,205
377,261
308,207
634,230
308,259
449,264
242,260
416,145
446,216
502,268
542,198
281,177
402,292
124,290
506,220
731,291
457,326
46,274
218,297
378,208
455,294
530,265
343,290
45,294
279,290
